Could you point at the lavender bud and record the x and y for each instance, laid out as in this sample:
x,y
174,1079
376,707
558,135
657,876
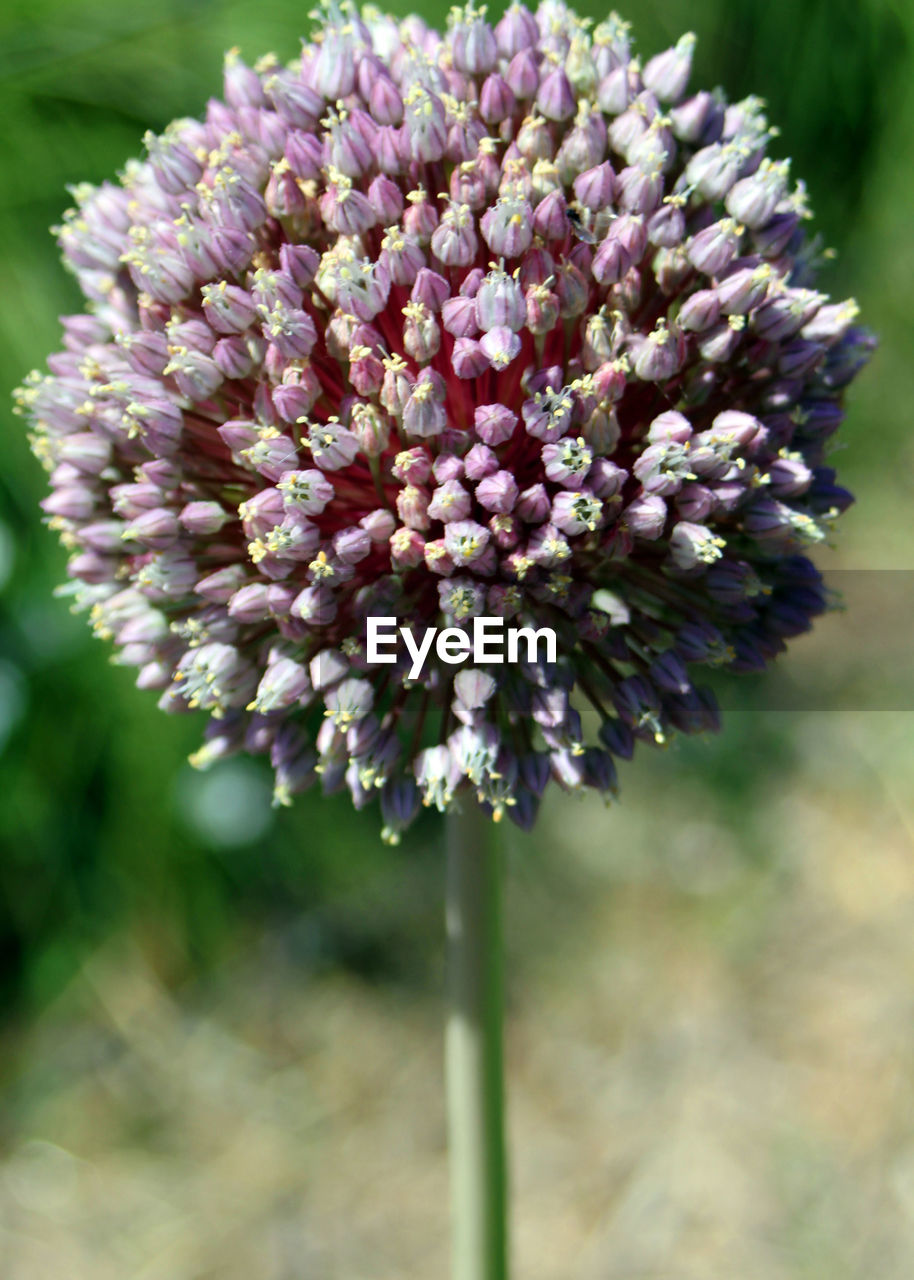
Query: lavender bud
x,y
497,492
667,74
494,423
450,501
645,517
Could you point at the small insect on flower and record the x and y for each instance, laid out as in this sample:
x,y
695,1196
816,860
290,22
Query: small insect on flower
x,y
579,227
500,323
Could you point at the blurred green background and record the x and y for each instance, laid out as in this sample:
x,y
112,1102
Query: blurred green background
x,y
128,882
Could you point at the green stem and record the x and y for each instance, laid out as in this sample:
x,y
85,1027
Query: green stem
x,y
473,1051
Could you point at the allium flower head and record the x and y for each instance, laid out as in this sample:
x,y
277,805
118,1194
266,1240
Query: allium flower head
x,y
498,322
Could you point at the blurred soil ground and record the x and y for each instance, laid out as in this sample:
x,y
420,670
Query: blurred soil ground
x,y
710,1046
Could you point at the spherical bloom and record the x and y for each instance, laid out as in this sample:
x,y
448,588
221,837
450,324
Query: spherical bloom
x,y
499,323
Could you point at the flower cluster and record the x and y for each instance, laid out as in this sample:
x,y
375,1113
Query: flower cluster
x,y
497,322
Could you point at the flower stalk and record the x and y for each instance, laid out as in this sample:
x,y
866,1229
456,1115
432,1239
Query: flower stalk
x,y
473,1049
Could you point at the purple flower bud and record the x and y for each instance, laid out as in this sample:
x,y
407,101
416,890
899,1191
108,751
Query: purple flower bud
x,y
332,446
572,290
743,288
385,101
233,357
146,352
283,685
638,191
659,355
785,314
494,423
412,466
496,100
421,334
595,188
606,478
305,491
171,578
202,518
533,504
327,668
85,451
72,502
753,200
499,346
241,84
599,770
412,507
473,687
379,525
645,517
349,701
789,475
468,359
315,606
714,248
694,545
402,257
522,75
453,242
399,806
713,170
695,502
500,302
497,492
437,558
386,200
458,315
424,413
431,289
667,74
228,308
732,581
542,309
695,119
614,92
699,312
507,227
106,536
720,341
474,48
732,428
505,531
515,31
622,248
480,461
799,358
555,98
132,499
351,545
250,603
293,100
772,239
550,219
450,501
425,123
303,154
